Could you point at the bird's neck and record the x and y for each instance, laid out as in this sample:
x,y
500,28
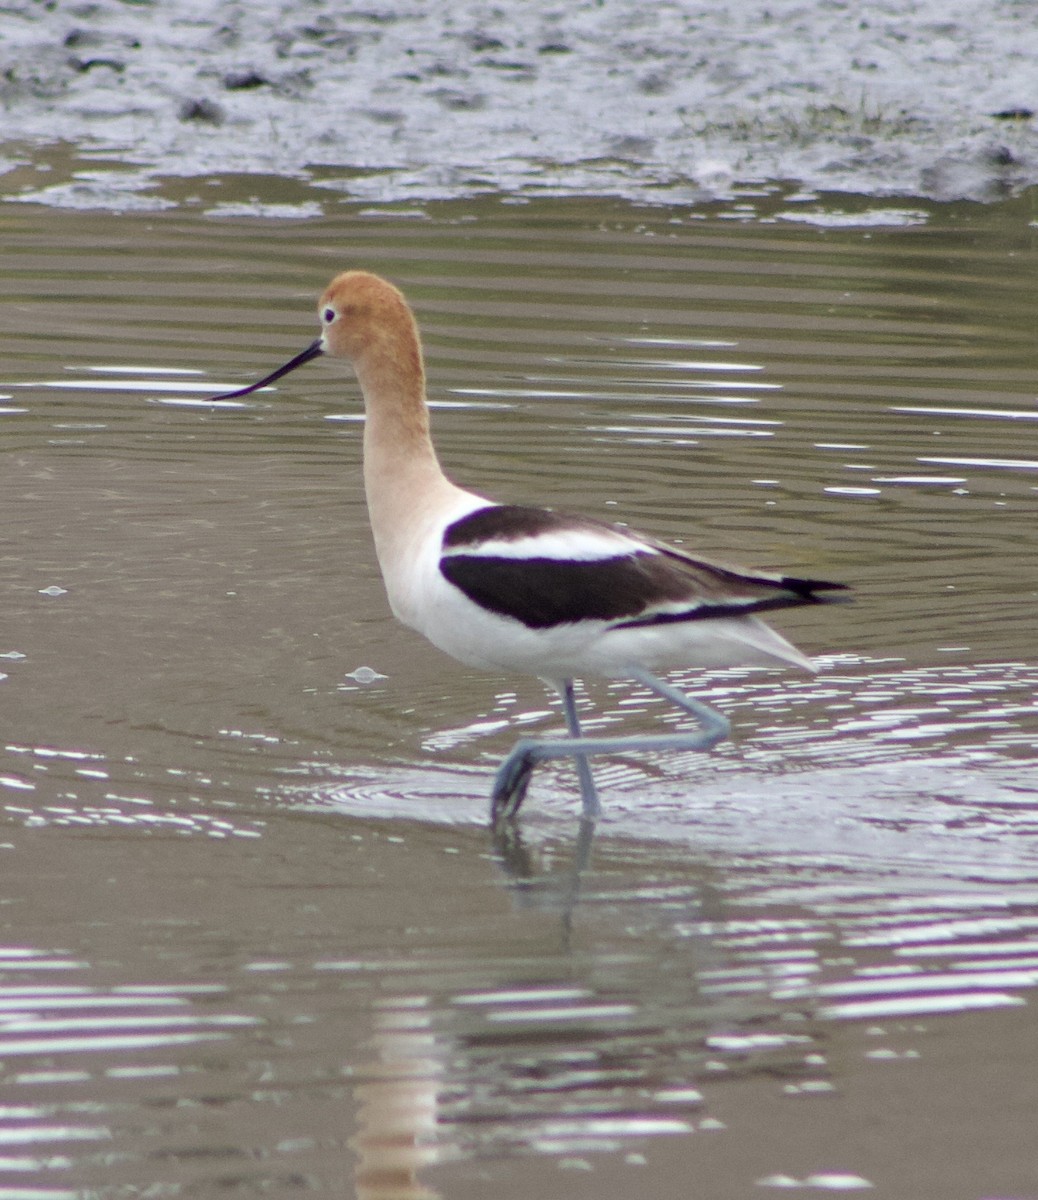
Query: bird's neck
x,y
403,480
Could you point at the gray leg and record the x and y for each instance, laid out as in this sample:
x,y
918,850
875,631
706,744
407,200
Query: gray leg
x,y
588,795
513,776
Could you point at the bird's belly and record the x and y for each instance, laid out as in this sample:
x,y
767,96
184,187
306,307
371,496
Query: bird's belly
x,y
581,649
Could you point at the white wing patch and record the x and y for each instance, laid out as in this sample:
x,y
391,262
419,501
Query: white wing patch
x,y
576,544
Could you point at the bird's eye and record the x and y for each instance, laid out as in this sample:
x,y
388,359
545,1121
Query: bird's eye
x,y
329,315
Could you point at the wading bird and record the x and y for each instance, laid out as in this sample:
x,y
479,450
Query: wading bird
x,y
514,588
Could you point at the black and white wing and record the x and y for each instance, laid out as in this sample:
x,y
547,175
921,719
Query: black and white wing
x,y
545,569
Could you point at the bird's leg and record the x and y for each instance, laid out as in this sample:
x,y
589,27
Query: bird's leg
x,y
714,727
588,795
513,776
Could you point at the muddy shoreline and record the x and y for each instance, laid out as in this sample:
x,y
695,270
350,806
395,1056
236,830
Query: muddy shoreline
x,y
414,101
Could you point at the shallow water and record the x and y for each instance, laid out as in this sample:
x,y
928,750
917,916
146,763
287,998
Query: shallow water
x,y
258,937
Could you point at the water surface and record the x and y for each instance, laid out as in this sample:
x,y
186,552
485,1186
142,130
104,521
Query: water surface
x,y
257,938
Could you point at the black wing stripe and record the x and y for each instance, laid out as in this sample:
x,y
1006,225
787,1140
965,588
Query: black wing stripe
x,y
631,591
542,592
711,610
511,523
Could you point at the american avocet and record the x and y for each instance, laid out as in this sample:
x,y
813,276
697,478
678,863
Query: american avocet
x,y
509,587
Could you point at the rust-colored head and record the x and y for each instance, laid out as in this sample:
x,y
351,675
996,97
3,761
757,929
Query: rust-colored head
x,y
364,319
359,311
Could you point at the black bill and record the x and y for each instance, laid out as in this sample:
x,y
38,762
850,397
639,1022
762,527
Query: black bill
x,y
310,352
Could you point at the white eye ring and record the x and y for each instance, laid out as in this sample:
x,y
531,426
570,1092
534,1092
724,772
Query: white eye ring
x,y
329,315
